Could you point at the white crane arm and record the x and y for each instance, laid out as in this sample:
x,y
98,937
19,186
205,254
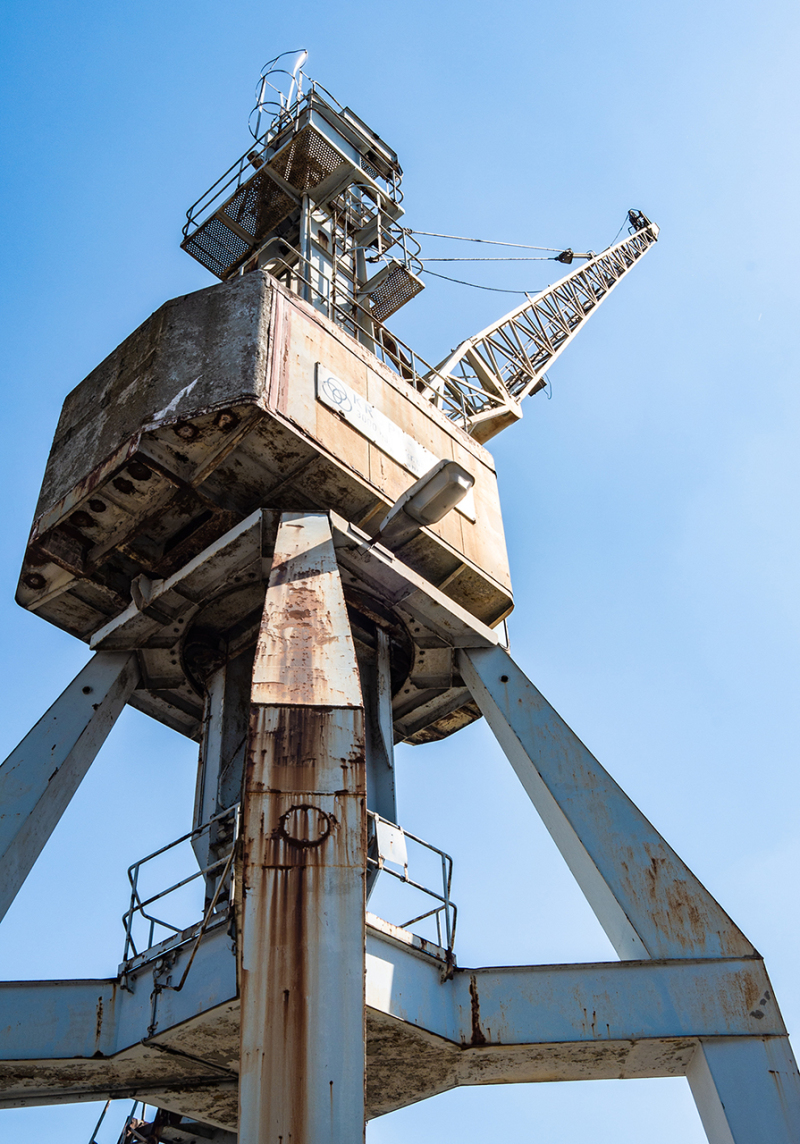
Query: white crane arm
x,y
488,374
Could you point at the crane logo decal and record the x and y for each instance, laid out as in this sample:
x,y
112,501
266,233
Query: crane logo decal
x,y
335,393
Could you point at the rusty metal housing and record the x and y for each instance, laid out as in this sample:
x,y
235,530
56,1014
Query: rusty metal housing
x,y
210,410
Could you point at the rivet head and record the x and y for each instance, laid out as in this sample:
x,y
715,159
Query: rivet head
x,y
186,432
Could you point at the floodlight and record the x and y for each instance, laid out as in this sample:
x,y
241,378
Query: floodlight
x,y
426,501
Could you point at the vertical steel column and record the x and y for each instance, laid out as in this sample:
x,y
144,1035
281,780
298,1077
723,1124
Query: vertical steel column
x,y
381,794
304,840
305,247
222,749
366,333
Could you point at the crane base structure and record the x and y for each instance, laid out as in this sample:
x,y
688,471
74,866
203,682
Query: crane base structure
x,y
279,533
267,1016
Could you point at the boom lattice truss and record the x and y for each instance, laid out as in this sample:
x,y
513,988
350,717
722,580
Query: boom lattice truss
x,y
487,375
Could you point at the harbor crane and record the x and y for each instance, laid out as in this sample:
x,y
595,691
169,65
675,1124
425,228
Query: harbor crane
x,y
278,530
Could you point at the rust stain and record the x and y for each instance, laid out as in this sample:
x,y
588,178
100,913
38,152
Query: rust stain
x,y
478,1037
98,1028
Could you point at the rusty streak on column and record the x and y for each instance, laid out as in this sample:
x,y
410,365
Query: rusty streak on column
x,y
303,858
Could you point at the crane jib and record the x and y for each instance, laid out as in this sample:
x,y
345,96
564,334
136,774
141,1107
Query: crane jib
x,y
487,375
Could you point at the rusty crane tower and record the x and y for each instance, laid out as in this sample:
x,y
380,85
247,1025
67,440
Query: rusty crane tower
x,y
278,530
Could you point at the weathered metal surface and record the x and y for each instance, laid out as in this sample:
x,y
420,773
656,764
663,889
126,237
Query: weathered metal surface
x,y
303,857
747,1090
424,1033
39,778
647,900
207,413
89,1040
550,1004
203,416
305,652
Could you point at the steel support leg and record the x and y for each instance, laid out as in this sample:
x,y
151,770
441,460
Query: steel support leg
x,y
222,751
304,837
41,775
747,1090
647,900
650,904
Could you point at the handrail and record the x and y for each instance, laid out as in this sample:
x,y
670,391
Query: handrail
x,y
447,911
388,347
138,906
199,212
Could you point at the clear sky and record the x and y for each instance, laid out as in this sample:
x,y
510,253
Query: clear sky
x,y
651,507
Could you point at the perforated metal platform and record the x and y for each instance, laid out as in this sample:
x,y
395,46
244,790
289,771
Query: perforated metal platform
x,y
236,228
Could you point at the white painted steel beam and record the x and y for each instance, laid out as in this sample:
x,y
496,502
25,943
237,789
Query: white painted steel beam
x,y
492,371
233,554
571,1004
39,778
381,571
304,857
747,1090
647,900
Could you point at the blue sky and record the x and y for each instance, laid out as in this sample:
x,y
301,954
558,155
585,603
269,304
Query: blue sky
x,y
651,507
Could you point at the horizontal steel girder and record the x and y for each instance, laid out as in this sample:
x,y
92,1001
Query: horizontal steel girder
x,y
481,1009
544,1004
714,1021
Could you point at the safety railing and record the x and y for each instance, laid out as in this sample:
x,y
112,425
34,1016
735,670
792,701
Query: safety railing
x,y
388,852
140,916
429,884
246,166
298,273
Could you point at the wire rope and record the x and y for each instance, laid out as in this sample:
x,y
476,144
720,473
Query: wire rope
x,y
475,285
490,241
512,258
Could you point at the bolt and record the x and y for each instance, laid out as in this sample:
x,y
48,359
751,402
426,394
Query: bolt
x,y
139,471
226,420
